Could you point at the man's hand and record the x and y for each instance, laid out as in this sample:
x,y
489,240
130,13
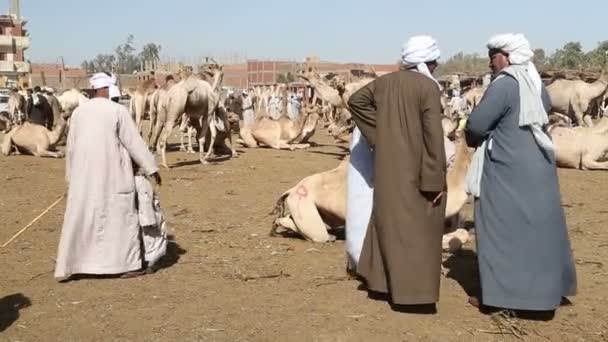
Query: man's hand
x,y
433,197
157,178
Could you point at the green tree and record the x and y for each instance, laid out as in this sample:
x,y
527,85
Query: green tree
x,y
472,64
598,57
127,61
571,56
88,66
150,52
102,62
539,58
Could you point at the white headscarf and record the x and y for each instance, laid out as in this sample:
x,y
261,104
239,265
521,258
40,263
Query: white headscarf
x,y
114,91
418,51
519,51
102,80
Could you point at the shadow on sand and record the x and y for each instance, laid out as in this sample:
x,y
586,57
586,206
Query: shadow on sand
x,y
10,307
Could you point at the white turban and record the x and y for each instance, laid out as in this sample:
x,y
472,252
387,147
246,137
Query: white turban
x,y
515,45
114,91
418,51
102,80
519,51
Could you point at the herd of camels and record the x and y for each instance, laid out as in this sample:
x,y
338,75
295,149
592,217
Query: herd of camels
x,y
196,104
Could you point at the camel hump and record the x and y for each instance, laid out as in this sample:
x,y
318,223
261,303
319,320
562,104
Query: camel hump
x,y
190,84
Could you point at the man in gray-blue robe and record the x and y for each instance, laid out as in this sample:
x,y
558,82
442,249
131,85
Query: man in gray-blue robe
x,y
524,254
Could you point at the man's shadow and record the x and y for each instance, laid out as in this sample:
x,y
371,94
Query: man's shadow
x,y
171,257
174,251
463,268
10,307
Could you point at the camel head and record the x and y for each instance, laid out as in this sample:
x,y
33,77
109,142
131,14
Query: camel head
x,y
343,125
308,74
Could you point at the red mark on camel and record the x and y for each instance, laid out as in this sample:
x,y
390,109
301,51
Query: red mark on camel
x,y
302,191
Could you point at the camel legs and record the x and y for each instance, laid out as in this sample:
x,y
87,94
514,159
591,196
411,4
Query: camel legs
x,y
139,114
246,137
591,164
50,154
211,126
162,146
7,144
588,121
153,116
306,216
158,129
583,120
454,241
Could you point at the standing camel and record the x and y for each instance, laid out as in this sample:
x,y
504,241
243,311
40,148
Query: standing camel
x,y
199,100
140,100
573,97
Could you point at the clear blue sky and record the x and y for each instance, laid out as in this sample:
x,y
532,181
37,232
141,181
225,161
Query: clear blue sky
x,y
370,31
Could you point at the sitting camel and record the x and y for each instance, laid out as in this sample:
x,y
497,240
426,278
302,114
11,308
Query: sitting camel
x,y
5,122
581,147
319,201
573,97
34,139
282,133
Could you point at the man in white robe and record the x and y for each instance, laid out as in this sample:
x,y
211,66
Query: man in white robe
x,y
248,113
293,108
101,233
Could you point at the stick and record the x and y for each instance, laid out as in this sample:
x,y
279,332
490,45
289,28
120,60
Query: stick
x,y
33,221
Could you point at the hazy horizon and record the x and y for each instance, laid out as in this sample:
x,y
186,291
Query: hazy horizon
x,y
353,31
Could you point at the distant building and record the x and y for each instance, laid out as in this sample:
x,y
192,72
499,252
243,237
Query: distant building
x,y
14,40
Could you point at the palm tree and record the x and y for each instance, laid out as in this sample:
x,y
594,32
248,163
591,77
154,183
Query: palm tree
x,y
150,53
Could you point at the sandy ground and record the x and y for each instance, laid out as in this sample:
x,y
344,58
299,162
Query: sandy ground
x,y
220,215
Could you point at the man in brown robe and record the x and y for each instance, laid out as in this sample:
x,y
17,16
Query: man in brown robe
x,y
400,116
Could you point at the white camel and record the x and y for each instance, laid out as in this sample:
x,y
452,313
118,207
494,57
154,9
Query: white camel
x,y
199,100
581,147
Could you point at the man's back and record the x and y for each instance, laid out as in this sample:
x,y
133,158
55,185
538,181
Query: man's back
x,y
402,99
102,140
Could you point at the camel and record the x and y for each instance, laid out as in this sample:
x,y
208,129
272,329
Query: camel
x,y
140,101
16,107
319,201
5,122
282,133
69,100
473,96
581,147
200,101
342,128
55,106
573,97
223,140
34,139
325,91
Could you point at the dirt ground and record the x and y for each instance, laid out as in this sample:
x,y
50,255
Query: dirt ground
x,y
220,216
